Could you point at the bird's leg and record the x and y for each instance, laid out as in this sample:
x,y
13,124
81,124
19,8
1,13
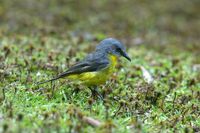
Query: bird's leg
x,y
95,92
98,93
76,91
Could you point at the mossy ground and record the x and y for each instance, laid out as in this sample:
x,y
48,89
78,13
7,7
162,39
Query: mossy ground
x,y
41,39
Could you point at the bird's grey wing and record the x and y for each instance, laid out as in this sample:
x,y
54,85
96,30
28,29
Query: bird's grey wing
x,y
86,66
93,62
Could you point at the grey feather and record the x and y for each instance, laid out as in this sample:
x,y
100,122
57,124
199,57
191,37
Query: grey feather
x,y
93,62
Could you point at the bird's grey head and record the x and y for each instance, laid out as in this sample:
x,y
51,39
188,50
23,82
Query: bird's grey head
x,y
113,46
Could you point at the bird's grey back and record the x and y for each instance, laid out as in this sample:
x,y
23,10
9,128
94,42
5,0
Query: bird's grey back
x,y
98,57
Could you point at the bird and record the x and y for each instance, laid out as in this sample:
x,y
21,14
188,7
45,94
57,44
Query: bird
x,y
96,68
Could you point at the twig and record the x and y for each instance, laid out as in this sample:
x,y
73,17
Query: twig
x,y
4,95
174,99
92,121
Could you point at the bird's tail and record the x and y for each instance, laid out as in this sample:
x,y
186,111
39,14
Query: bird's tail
x,y
58,77
65,74
39,83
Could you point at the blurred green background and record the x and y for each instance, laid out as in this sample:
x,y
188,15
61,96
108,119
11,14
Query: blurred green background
x,y
154,21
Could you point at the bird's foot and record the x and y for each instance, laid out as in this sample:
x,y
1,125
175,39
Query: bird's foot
x,y
96,94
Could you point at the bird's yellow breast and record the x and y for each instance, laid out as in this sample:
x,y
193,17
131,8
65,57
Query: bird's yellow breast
x,y
97,77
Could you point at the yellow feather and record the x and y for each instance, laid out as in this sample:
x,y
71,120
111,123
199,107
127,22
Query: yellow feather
x,y
98,77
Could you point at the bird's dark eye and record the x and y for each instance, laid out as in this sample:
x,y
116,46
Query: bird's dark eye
x,y
118,49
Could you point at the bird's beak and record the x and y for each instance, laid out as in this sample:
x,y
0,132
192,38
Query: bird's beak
x,y
124,54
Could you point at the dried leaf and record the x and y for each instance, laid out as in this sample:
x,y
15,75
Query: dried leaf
x,y
146,75
91,121
196,67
